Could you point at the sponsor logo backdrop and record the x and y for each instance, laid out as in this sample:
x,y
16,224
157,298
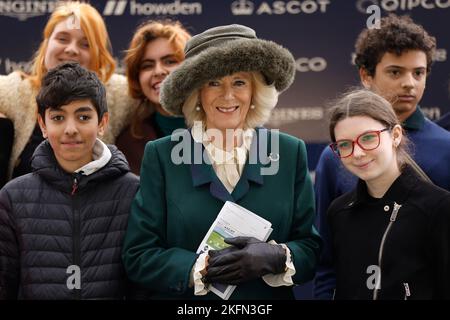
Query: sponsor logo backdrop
x,y
320,34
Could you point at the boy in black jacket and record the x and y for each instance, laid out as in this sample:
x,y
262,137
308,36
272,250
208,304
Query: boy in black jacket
x,y
62,226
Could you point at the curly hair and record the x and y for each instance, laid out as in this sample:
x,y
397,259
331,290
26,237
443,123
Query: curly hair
x,y
145,33
396,35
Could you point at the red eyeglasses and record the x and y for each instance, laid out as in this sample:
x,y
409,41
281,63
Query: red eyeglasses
x,y
367,141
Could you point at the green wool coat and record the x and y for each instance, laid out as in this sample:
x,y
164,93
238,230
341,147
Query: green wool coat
x,y
177,203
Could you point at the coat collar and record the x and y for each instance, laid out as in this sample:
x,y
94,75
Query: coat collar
x,y
44,164
398,192
101,155
203,173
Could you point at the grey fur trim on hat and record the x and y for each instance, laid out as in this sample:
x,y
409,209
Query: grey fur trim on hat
x,y
222,56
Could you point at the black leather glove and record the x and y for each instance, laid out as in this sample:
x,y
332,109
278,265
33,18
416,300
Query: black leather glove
x,y
247,259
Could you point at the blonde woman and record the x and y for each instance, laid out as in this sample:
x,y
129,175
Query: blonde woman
x,y
226,89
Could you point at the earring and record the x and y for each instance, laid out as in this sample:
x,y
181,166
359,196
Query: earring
x,y
197,108
252,106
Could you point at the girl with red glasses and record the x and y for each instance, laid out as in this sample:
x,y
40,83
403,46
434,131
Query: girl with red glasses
x,y
390,236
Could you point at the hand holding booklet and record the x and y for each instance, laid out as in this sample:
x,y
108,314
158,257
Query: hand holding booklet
x,y
232,221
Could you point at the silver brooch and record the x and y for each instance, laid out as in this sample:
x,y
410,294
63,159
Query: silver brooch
x,y
274,157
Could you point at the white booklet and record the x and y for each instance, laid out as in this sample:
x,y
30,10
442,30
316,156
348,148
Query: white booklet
x,y
232,221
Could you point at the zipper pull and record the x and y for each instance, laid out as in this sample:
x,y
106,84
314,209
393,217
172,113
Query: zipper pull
x,y
395,211
407,291
74,185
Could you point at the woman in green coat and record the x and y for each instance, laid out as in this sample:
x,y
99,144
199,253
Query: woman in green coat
x,y
226,89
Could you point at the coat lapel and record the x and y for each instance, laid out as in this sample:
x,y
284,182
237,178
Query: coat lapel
x,y
252,168
203,173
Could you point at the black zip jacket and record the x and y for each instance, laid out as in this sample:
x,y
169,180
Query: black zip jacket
x,y
413,260
52,222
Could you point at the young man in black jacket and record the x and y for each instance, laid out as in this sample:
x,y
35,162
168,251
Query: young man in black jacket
x,y
62,226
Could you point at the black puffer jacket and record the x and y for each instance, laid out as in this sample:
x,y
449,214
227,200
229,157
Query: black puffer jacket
x,y
45,228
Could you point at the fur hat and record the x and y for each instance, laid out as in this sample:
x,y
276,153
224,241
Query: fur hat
x,y
222,51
